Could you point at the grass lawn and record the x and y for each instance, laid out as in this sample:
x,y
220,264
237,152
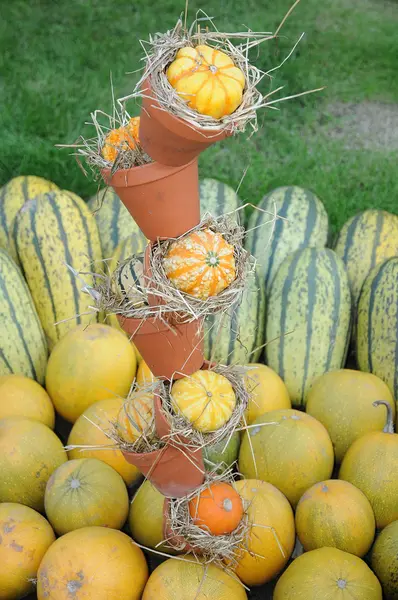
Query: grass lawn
x,y
56,56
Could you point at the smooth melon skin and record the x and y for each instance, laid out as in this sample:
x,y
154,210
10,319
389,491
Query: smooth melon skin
x,y
89,434
328,574
93,563
223,453
25,538
335,514
85,492
89,364
23,397
29,454
292,450
267,391
190,580
384,560
343,402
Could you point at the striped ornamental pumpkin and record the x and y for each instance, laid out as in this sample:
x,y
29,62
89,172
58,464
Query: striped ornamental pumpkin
x,y
365,241
130,281
50,232
13,196
377,324
23,347
308,320
135,417
303,223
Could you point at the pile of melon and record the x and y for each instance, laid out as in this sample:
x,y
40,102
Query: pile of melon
x,y
317,463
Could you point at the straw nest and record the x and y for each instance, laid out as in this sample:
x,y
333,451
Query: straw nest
x,y
161,49
186,537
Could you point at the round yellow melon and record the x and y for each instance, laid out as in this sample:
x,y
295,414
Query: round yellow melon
x,y
89,364
85,492
272,536
188,579
267,392
343,402
328,574
92,563
29,454
25,537
335,514
384,560
90,430
24,397
144,374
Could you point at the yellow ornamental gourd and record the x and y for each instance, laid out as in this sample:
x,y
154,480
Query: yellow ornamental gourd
x,y
135,417
202,264
206,399
207,80
122,138
144,375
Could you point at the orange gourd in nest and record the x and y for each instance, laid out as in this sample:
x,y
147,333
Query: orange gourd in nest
x,y
135,417
208,80
122,138
201,264
217,509
205,398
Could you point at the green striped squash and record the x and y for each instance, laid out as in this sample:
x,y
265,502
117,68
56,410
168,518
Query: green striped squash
x,y
12,197
365,241
303,223
114,221
238,339
217,198
377,324
308,320
23,347
54,230
130,278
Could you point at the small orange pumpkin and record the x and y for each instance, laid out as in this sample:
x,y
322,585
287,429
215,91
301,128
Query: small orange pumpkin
x,y
201,264
121,138
217,509
208,80
135,417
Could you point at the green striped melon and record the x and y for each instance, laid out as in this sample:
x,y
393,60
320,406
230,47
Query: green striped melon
x,y
52,231
12,197
114,221
130,281
238,339
377,324
308,320
133,245
23,347
365,241
303,223
217,198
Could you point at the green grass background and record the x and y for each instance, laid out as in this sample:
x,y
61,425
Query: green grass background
x,y
56,57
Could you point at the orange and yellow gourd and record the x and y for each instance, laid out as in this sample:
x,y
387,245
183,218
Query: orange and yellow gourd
x,y
122,138
207,80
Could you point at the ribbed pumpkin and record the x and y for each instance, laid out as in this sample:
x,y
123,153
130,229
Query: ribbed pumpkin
x,y
289,449
202,264
29,453
144,375
208,80
89,364
189,580
24,397
328,574
205,398
371,464
135,417
343,402
218,509
335,514
85,492
120,139
92,563
25,538
89,433
146,518
271,537
267,392
384,560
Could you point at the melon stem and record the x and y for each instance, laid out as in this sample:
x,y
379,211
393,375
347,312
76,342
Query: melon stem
x,y
389,426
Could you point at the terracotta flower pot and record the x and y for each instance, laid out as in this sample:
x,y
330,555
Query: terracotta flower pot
x,y
164,201
168,139
174,469
178,542
170,351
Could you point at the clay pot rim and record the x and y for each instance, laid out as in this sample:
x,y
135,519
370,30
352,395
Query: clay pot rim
x,y
141,174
